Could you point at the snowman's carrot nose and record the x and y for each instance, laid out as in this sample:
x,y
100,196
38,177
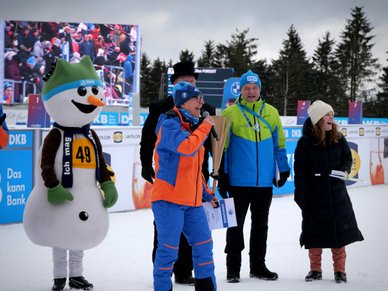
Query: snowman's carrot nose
x,y
95,101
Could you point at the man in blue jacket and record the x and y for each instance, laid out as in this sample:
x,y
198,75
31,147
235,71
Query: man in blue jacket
x,y
255,152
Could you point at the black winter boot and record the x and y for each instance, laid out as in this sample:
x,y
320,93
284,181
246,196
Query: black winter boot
x,y
205,284
340,277
233,265
233,277
186,280
264,274
59,284
313,276
80,283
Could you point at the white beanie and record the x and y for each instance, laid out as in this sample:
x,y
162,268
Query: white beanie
x,y
317,110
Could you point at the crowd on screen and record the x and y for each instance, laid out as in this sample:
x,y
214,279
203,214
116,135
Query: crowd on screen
x,y
31,47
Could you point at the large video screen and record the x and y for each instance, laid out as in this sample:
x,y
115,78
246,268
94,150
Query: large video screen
x,y
29,48
211,82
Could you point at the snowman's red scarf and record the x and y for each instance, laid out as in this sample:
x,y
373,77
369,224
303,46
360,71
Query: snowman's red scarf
x,y
68,132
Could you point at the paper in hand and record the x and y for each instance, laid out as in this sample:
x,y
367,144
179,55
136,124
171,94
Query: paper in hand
x,y
343,176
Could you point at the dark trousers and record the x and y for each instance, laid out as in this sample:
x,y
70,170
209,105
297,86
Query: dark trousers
x,y
183,266
258,200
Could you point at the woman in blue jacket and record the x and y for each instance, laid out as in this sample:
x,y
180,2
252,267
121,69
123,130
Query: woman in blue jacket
x,y
179,189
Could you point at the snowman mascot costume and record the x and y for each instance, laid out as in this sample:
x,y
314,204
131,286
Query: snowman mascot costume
x,y
67,208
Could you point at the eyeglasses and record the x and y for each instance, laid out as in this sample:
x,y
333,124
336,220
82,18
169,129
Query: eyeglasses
x,y
199,98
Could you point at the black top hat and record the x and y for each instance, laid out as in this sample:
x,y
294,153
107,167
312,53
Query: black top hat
x,y
183,69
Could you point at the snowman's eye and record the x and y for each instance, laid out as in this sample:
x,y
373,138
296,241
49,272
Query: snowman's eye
x,y
95,90
83,215
82,91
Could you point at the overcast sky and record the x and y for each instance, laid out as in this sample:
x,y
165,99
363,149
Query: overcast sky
x,y
170,26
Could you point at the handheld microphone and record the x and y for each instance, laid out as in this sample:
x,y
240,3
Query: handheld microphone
x,y
214,131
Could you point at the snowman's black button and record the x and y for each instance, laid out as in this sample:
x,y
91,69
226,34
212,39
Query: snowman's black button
x,y
83,215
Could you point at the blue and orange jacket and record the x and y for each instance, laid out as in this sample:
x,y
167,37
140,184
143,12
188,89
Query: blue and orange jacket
x,y
256,144
179,155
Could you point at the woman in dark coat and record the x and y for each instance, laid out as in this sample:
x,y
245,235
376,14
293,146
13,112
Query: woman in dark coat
x,y
328,216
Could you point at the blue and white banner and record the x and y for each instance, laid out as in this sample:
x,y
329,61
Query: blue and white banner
x,y
231,92
15,176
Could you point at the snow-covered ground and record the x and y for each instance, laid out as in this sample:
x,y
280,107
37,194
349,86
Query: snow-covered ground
x,y
123,260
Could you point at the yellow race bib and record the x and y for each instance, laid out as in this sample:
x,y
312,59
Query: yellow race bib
x,y
83,153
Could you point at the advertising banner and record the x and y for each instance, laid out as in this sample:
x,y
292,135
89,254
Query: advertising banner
x,y
16,179
122,147
302,115
37,116
231,92
368,143
355,112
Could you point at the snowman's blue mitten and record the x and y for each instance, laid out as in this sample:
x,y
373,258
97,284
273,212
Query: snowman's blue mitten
x,y
59,195
110,193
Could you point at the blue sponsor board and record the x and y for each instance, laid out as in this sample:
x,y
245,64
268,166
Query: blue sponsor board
x,y
292,135
107,118
117,119
288,188
231,92
15,175
365,120
125,118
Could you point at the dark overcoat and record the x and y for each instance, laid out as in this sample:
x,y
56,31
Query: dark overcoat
x,y
327,212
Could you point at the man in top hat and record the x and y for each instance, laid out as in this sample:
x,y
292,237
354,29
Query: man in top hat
x,y
183,71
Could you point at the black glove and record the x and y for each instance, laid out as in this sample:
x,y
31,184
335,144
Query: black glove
x,y
148,174
282,180
223,185
2,118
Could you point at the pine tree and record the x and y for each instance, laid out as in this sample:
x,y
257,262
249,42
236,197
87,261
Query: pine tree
x,y
266,77
356,65
382,96
158,75
379,107
220,56
152,82
239,53
292,73
326,84
207,59
145,81
186,56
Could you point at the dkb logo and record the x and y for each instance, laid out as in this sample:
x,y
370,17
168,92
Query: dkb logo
x,y
252,79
